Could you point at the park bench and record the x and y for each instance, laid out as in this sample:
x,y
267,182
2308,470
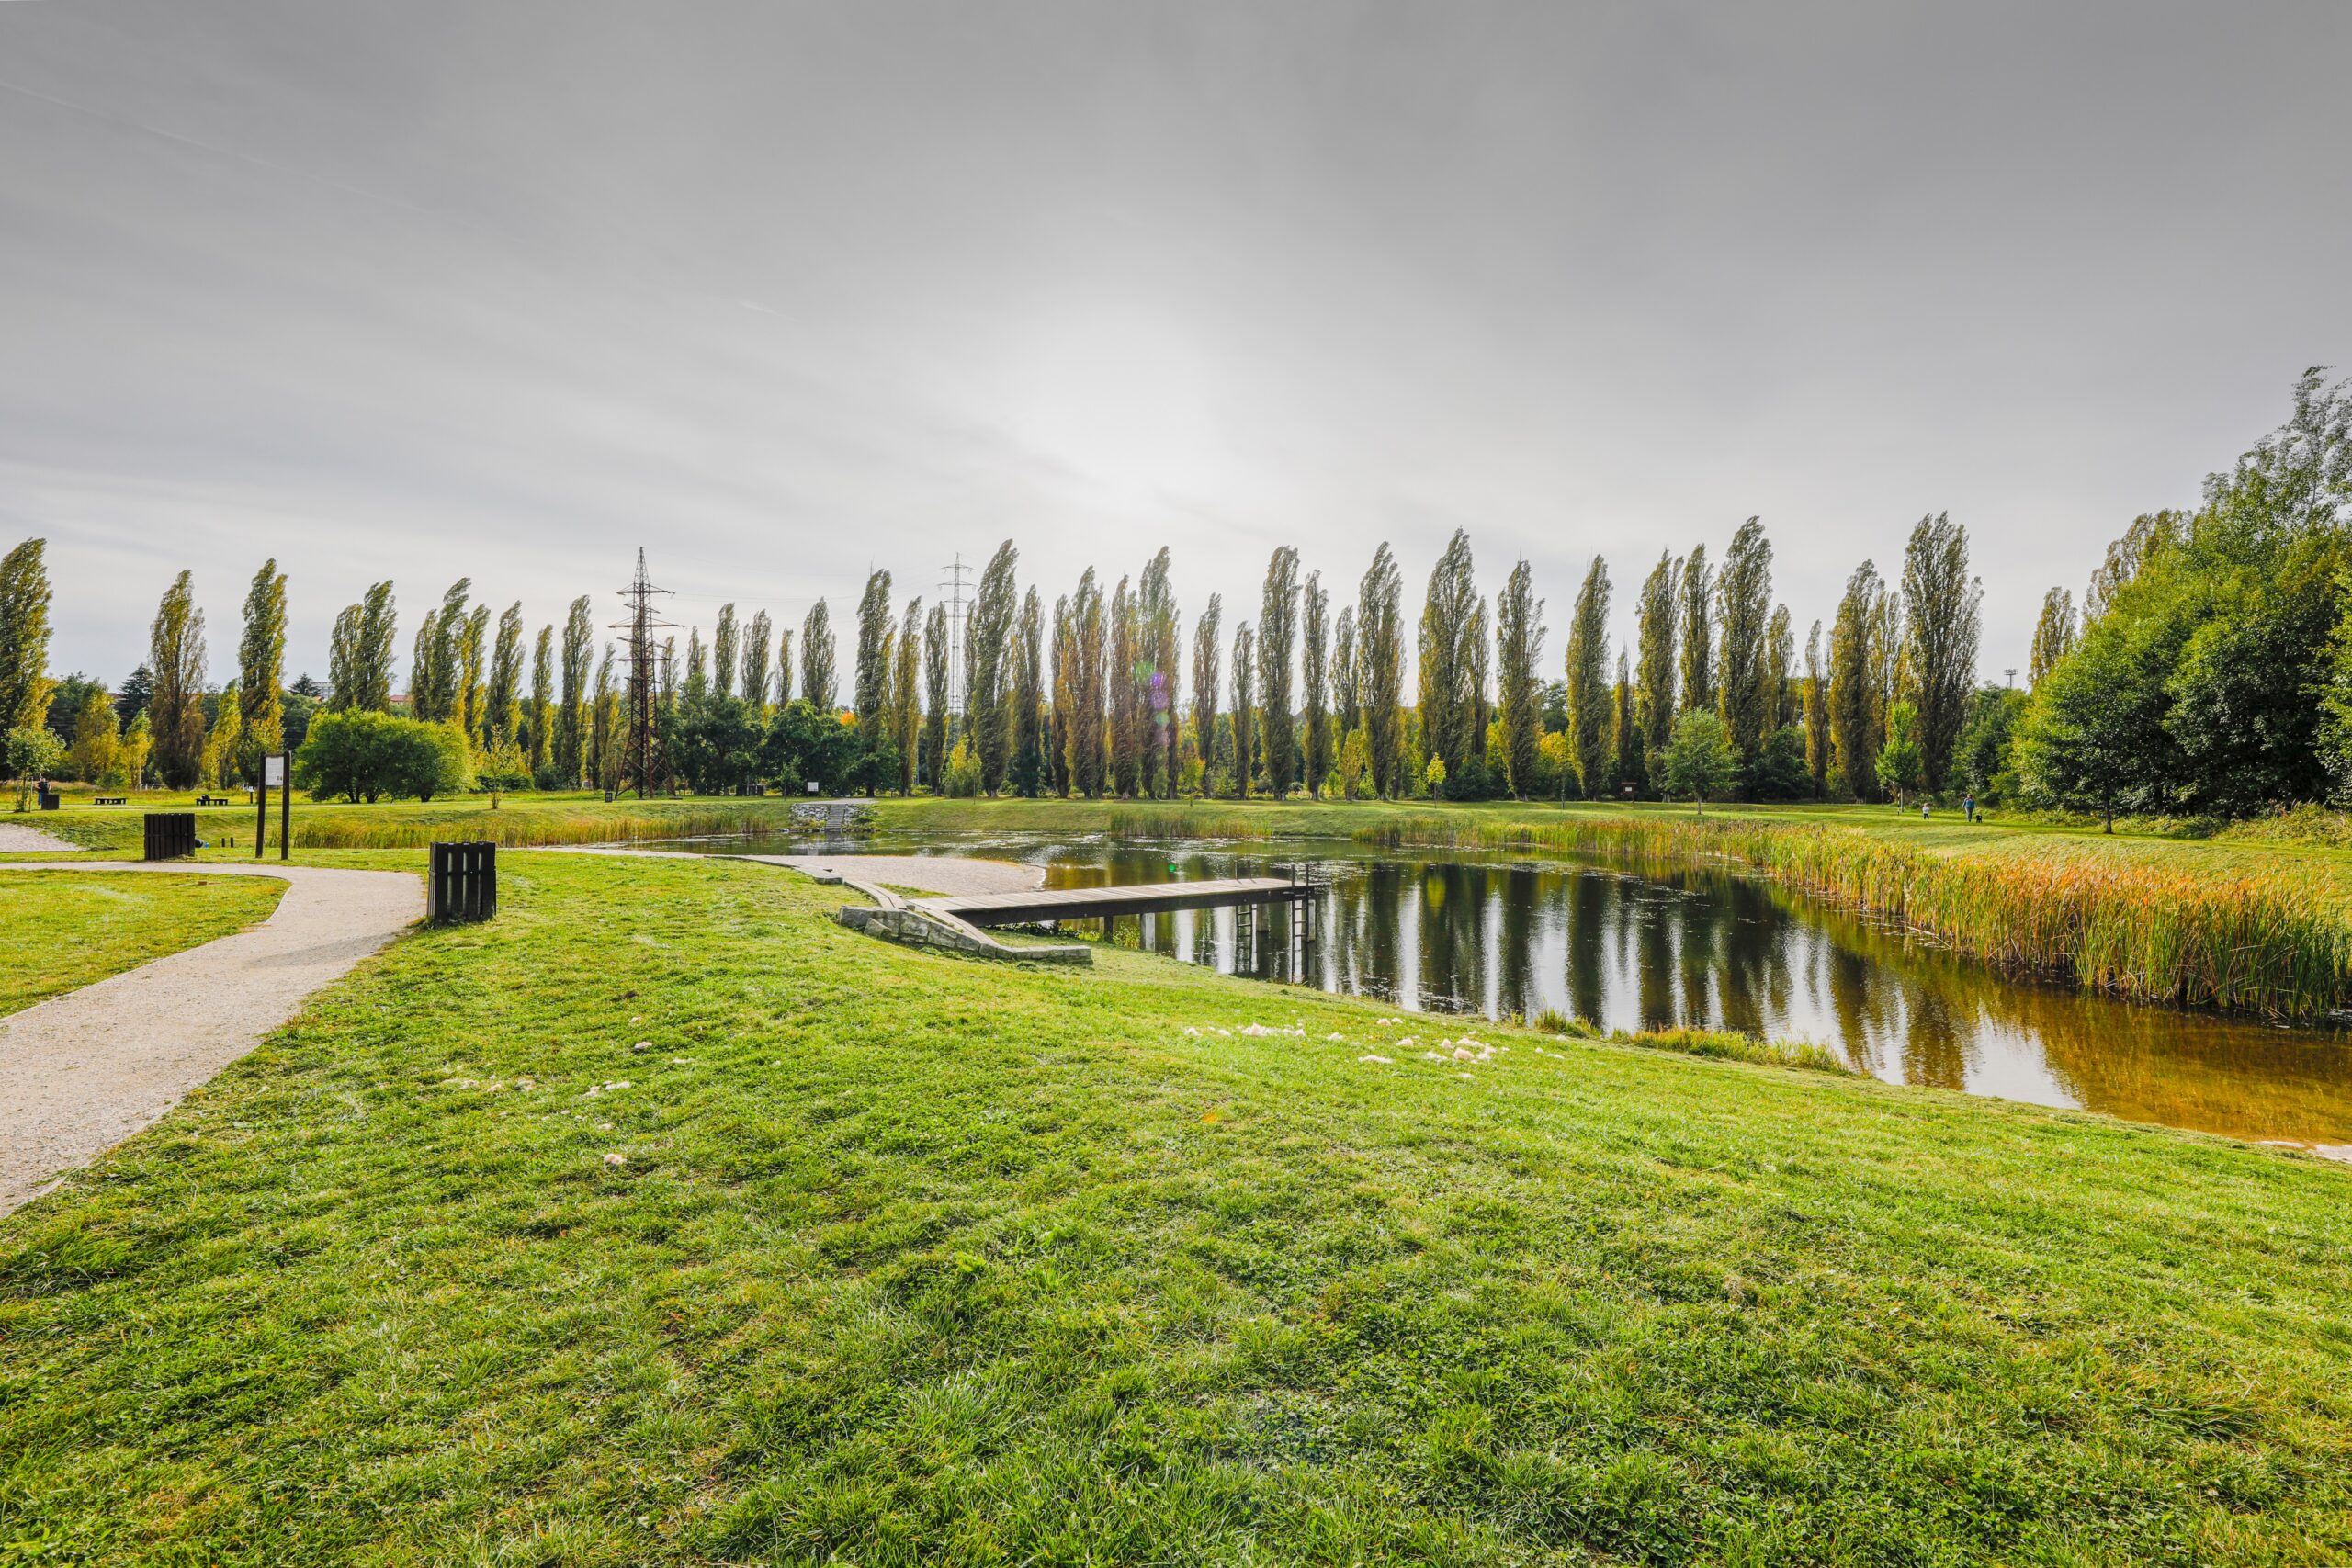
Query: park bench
x,y
214,800
111,800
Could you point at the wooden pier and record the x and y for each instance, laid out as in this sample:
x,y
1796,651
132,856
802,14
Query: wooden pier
x,y
1034,906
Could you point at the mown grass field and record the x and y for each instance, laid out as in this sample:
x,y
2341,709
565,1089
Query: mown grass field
x,y
63,931
882,1256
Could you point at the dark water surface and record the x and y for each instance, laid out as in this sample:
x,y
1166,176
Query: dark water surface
x,y
1465,933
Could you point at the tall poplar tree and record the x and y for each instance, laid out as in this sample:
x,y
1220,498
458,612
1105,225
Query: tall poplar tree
x,y
935,691
1347,697
542,752
1277,639
986,648
1816,715
1160,638
1314,674
1519,638
1697,634
1654,669
1856,698
1448,636
377,646
424,668
1126,715
572,759
260,670
1780,659
503,715
25,686
1064,661
758,662
1082,734
1208,654
1029,770
1745,593
874,629
1245,703
783,667
1380,651
1630,763
343,659
723,652
906,694
819,684
176,659
1591,737
1942,601
472,699
2054,634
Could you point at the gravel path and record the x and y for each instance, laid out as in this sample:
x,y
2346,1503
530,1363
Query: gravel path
x,y
16,839
81,1072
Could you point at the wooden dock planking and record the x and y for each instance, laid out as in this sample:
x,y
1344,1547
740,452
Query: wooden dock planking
x,y
1096,903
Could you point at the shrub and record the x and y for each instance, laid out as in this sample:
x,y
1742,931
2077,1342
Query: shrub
x,y
34,753
378,756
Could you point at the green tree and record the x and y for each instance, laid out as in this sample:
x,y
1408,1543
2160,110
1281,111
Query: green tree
x,y
1313,655
874,630
1745,593
1697,634
784,666
1942,601
469,703
360,754
1654,666
95,747
1449,697
34,753
1161,637
1245,706
260,670
1816,715
819,684
987,649
1028,768
503,709
1855,698
542,752
1519,636
1698,760
723,653
2054,634
1902,761
360,653
1380,651
1207,661
1591,740
1346,696
1630,769
175,653
1126,709
1082,678
906,694
573,753
759,639
1277,639
934,685
24,636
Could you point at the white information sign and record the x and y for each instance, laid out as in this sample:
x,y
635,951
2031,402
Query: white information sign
x,y
272,772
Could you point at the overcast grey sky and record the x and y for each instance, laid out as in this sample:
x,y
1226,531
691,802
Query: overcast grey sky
x,y
419,290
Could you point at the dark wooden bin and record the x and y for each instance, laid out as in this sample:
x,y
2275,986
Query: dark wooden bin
x,y
464,883
171,835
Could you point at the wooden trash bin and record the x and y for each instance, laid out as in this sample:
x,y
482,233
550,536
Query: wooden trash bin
x,y
463,885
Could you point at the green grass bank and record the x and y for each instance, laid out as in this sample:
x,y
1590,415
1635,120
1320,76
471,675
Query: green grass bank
x,y
878,1256
65,930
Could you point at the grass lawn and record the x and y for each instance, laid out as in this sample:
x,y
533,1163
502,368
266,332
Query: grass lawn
x,y
882,1256
65,929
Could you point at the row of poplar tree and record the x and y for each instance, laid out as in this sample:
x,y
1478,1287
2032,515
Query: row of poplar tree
x,y
1105,693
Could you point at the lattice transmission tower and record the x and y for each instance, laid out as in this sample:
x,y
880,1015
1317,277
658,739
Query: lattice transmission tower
x,y
958,608
645,673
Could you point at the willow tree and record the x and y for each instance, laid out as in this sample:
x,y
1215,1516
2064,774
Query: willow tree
x,y
1519,646
261,670
1316,606
503,717
175,660
935,693
1744,593
1856,684
1245,704
1697,633
1942,601
1380,655
1208,655
819,681
906,694
1448,637
1590,719
723,652
985,650
25,686
2054,634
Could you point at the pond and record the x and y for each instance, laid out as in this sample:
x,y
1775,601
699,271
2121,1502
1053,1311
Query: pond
x,y
1459,932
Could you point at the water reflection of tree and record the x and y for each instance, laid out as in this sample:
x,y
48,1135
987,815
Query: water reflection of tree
x,y
1520,893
